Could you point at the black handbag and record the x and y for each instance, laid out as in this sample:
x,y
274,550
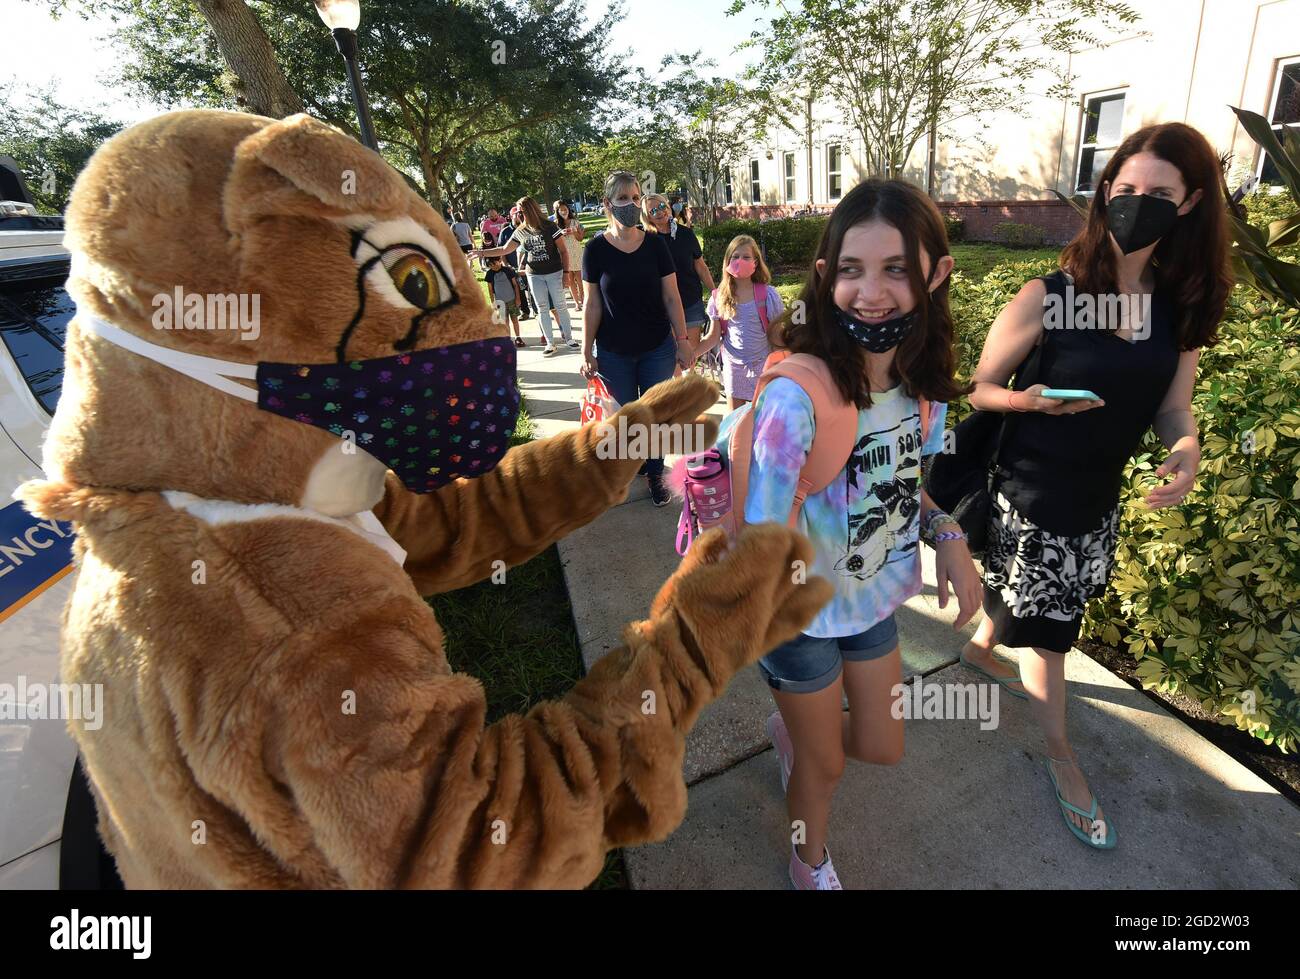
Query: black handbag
x,y
961,482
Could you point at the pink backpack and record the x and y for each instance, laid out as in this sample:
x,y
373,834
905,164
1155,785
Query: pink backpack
x,y
713,484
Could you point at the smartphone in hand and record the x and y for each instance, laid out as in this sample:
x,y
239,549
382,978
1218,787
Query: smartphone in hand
x,y
1068,394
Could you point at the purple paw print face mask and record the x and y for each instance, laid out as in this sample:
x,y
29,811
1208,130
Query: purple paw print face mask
x,y
431,416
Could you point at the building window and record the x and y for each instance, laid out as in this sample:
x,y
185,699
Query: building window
x,y
727,186
834,181
1103,126
755,189
1283,113
789,177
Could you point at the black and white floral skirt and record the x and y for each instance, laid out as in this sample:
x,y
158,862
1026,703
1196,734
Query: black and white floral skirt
x,y
1036,584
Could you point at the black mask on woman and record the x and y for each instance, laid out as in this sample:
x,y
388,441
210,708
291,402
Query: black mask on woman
x,y
880,337
1140,220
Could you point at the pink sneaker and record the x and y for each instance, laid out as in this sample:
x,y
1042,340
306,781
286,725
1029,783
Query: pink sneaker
x,y
780,738
819,878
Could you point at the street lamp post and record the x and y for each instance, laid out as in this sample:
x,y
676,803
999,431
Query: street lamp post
x,y
342,18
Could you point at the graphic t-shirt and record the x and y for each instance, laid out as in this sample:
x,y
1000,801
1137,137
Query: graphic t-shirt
x,y
539,252
865,525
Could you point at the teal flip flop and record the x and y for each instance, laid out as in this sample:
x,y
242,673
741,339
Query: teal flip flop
x,y
1002,681
1111,838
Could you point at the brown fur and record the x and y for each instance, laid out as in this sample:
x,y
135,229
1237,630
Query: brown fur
x,y
226,758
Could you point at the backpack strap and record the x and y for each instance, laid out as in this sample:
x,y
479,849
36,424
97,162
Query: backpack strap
x,y
760,302
835,430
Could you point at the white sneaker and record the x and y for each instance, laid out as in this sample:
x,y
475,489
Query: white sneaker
x,y
574,344
819,878
548,350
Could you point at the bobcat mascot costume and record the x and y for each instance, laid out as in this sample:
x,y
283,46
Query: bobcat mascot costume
x,y
259,511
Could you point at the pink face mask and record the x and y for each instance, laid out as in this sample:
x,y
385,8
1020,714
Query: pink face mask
x,y
741,268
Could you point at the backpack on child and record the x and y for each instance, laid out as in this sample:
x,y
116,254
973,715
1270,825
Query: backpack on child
x,y
760,303
713,484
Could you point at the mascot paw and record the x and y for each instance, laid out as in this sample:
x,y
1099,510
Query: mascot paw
x,y
677,402
745,596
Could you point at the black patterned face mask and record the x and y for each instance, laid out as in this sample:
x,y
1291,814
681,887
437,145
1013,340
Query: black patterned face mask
x,y
878,338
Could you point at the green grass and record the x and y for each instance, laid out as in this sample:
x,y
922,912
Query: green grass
x,y
519,639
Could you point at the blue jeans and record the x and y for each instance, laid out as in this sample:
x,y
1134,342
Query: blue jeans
x,y
631,375
807,664
548,291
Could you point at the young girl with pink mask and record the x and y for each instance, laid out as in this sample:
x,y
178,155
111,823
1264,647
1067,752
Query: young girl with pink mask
x,y
741,311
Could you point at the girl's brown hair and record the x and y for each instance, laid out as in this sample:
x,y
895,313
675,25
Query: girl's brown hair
x,y
1191,262
926,360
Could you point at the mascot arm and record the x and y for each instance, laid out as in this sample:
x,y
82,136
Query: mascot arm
x,y
541,491
418,793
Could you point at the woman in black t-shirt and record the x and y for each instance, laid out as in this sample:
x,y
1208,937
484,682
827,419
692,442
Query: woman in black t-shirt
x,y
1143,288
693,273
634,329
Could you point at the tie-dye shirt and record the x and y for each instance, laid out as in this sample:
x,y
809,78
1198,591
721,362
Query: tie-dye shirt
x,y
865,525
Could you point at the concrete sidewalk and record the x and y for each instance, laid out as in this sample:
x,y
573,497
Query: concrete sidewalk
x,y
966,808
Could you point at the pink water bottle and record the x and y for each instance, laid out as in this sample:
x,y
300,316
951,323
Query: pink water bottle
x,y
706,497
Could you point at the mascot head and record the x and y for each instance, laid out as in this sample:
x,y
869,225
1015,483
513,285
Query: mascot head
x,y
266,312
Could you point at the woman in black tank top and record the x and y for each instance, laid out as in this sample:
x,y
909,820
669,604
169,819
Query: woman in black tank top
x,y
1142,288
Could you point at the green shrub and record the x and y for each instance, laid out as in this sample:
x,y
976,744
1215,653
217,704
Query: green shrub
x,y
1264,208
786,241
1205,595
955,227
1019,235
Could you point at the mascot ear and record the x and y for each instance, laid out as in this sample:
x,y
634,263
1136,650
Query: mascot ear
x,y
299,156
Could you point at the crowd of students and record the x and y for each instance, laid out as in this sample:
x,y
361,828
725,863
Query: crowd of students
x,y
875,312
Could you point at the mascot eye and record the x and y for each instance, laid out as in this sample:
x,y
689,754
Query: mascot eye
x,y
417,279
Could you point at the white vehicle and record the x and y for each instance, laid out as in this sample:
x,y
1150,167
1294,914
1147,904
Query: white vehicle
x,y
37,756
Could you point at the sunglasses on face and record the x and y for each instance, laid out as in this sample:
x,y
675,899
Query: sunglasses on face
x,y
658,209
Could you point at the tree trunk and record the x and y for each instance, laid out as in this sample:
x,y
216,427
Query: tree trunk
x,y
248,53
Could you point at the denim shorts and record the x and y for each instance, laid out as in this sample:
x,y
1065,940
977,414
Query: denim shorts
x,y
696,315
807,664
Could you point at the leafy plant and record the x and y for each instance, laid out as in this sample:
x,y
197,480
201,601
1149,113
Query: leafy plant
x,y
786,241
1253,252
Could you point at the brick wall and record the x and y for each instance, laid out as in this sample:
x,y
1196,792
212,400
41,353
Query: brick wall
x,y
1058,220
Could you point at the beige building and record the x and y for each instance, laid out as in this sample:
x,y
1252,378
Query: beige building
x,y
1186,61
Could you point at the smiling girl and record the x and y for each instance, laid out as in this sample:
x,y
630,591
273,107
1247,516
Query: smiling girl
x,y
875,312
